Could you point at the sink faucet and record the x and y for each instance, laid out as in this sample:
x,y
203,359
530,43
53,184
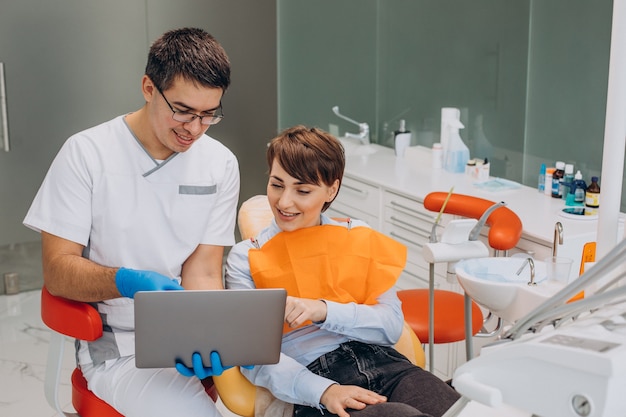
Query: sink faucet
x,y
528,261
364,128
558,237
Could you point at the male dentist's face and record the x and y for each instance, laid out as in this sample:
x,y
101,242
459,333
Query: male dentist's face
x,y
295,204
182,96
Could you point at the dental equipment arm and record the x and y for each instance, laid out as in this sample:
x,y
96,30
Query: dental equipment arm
x,y
475,232
557,306
364,128
576,348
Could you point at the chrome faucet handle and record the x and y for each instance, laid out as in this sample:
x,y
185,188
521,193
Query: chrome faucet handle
x,y
364,128
531,262
558,237
363,135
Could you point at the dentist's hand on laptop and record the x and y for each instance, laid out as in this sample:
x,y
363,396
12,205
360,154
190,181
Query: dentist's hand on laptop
x,y
129,281
199,369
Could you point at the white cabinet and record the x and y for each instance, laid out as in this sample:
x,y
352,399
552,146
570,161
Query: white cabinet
x,y
406,220
357,200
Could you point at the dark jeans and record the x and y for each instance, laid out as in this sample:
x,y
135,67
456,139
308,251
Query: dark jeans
x,y
410,390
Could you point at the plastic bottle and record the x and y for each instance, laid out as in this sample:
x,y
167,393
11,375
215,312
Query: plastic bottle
x,y
541,183
592,196
437,155
547,189
556,179
567,183
401,139
457,154
580,188
447,113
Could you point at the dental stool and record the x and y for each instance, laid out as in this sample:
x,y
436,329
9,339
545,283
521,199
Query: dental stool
x,y
80,321
442,316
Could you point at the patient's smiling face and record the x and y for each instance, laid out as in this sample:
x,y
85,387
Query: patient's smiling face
x,y
295,204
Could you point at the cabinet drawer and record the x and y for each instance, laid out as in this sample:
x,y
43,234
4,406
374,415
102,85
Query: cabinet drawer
x,y
397,205
412,238
414,276
339,210
360,195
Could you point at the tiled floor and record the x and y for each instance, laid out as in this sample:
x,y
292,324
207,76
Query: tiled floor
x,y
23,353
23,350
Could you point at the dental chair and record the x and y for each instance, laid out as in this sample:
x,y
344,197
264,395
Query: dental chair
x,y
235,391
442,316
77,320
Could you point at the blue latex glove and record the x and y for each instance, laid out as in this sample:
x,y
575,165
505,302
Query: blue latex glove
x,y
199,369
129,281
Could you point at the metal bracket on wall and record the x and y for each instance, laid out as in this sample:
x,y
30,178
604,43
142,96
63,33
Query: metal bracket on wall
x,y
4,119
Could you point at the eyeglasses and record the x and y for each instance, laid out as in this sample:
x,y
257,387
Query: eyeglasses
x,y
188,117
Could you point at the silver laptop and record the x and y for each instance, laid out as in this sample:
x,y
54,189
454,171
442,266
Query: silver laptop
x,y
244,326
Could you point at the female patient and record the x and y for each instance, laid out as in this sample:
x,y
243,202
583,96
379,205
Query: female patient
x,y
342,316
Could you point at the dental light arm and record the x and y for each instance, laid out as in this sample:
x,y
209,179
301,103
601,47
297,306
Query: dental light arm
x,y
364,128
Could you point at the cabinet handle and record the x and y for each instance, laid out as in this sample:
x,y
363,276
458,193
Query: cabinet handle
x,y
419,278
410,227
341,213
397,236
356,190
4,119
393,203
412,211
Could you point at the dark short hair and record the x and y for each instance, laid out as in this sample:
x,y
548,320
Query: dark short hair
x,y
310,155
190,53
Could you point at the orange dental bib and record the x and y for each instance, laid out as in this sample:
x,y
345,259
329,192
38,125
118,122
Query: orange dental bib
x,y
329,262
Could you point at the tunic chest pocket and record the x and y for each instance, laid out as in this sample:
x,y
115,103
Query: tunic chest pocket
x,y
197,189
192,210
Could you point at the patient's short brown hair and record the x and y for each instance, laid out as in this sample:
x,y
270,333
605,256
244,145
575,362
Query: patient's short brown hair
x,y
310,155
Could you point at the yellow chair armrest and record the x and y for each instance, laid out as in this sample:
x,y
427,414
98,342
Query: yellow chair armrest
x,y
411,347
236,392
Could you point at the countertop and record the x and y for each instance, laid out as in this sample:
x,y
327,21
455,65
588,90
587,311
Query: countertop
x,y
414,177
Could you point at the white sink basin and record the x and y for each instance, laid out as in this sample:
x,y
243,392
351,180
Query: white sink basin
x,y
494,284
355,147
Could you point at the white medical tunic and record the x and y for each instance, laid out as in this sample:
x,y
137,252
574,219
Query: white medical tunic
x,y
104,191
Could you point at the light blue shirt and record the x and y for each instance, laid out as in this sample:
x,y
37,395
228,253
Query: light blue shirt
x,y
289,379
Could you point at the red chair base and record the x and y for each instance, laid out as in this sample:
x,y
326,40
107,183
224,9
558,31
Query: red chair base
x,y
87,404
449,314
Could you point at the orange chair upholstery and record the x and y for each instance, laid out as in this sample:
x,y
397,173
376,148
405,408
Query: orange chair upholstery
x,y
505,227
80,321
449,322
505,230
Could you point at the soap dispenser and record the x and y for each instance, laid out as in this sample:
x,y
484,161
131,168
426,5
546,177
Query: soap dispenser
x,y
457,153
402,139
